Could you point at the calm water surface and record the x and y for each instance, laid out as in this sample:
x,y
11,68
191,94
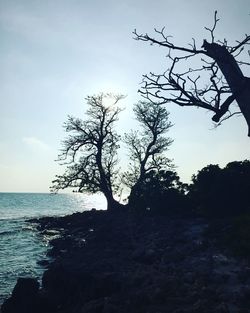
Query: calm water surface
x,y
21,246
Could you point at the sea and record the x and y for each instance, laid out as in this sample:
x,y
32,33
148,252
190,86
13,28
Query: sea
x,y
21,245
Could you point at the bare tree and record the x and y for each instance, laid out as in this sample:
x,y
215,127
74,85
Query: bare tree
x,y
220,65
91,150
147,147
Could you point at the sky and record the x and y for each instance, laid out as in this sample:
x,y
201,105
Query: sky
x,y
54,53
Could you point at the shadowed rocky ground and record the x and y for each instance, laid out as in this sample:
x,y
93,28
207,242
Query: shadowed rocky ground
x,y
105,262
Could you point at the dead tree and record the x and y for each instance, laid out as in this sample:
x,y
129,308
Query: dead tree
x,y
147,147
220,65
90,151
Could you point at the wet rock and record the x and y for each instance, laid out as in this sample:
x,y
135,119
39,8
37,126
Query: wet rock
x,y
44,263
24,298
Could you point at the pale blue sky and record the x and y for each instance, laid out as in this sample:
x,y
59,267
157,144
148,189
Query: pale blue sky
x,y
56,52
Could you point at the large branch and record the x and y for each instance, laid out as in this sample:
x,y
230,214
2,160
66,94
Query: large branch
x,y
223,109
226,82
166,43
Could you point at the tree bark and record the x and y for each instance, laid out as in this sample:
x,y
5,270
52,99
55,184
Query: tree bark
x,y
237,82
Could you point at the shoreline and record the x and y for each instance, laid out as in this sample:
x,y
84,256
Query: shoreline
x,y
125,262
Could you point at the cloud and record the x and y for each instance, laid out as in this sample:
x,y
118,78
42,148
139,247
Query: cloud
x,y
35,143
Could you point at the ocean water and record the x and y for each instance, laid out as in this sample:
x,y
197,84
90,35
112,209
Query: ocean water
x,y
21,245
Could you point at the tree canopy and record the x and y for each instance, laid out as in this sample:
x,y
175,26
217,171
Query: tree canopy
x,y
147,146
224,191
90,152
91,149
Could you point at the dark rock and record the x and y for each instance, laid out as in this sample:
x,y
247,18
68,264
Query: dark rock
x,y
61,286
44,263
105,285
222,308
188,277
108,262
25,287
146,256
24,298
94,306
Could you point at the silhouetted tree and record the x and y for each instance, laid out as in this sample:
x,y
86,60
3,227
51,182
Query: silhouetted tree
x,y
161,191
206,190
147,147
222,192
91,149
181,83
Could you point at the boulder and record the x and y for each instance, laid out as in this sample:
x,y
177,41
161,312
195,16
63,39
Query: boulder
x,y
24,298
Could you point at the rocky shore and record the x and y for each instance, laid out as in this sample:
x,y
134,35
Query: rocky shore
x,y
109,262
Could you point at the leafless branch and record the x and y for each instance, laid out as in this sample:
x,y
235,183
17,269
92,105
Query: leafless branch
x,y
164,42
245,41
211,30
183,83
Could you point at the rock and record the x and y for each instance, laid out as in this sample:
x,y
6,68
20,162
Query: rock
x,y
222,308
58,284
25,287
107,262
24,298
44,263
188,277
146,256
94,306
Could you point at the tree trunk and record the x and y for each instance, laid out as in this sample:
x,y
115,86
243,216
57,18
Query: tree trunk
x,y
105,185
243,100
113,205
238,83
